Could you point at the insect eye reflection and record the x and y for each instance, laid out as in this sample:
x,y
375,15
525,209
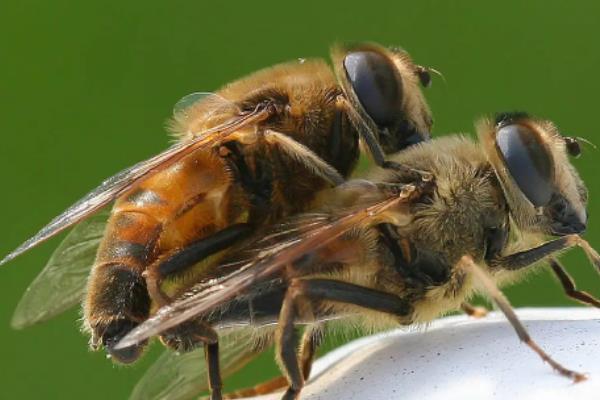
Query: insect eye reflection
x,y
528,162
375,83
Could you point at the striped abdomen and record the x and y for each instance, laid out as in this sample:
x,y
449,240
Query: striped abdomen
x,y
190,200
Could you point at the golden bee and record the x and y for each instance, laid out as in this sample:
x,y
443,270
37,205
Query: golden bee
x,y
389,250
246,156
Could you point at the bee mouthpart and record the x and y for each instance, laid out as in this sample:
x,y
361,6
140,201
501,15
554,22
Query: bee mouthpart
x,y
566,218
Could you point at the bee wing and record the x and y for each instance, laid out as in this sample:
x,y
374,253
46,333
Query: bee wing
x,y
184,376
267,264
116,185
61,284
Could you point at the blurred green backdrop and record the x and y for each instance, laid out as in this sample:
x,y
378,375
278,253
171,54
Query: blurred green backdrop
x,y
85,88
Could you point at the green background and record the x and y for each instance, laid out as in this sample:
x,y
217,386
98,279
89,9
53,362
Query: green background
x,y
85,89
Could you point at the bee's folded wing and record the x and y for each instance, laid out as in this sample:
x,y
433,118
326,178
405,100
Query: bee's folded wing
x,y
120,183
61,284
281,249
183,376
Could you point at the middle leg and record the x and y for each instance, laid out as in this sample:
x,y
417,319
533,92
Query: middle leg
x,y
300,297
311,339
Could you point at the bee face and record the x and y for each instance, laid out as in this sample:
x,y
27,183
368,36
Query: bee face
x,y
384,86
544,191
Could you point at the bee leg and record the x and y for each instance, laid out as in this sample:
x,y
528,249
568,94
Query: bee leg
x,y
569,285
467,264
370,138
286,341
529,257
215,383
300,295
474,311
268,387
304,155
311,339
186,257
192,334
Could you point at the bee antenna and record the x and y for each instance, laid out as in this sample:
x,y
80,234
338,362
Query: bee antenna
x,y
438,73
587,142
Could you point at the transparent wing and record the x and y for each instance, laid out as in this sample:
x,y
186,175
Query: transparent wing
x,y
207,102
183,376
118,184
268,263
62,282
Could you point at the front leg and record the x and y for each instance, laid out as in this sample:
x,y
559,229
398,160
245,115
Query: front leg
x,y
527,258
368,133
487,283
569,285
300,296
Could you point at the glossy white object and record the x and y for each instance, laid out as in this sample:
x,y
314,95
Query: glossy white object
x,y
464,358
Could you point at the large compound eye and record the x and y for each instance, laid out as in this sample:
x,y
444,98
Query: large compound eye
x,y
376,85
528,162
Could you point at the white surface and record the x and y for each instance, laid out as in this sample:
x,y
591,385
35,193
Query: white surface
x,y
463,358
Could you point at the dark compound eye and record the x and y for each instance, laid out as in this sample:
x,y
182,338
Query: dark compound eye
x,y
375,82
573,146
528,162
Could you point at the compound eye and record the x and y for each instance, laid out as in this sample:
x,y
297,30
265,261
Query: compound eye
x,y
528,162
375,83
573,147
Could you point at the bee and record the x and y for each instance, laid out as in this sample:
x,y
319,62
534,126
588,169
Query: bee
x,y
386,251
246,156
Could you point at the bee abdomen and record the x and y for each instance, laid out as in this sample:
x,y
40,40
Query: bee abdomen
x,y
130,239
117,298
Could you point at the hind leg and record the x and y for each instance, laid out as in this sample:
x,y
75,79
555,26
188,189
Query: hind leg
x,y
311,339
301,296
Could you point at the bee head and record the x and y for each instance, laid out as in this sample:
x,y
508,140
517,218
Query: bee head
x,y
531,160
384,87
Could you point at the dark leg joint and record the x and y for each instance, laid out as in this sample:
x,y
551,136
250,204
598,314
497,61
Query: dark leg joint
x,y
569,285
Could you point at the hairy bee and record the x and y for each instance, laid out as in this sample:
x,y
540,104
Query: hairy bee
x,y
381,251
246,156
